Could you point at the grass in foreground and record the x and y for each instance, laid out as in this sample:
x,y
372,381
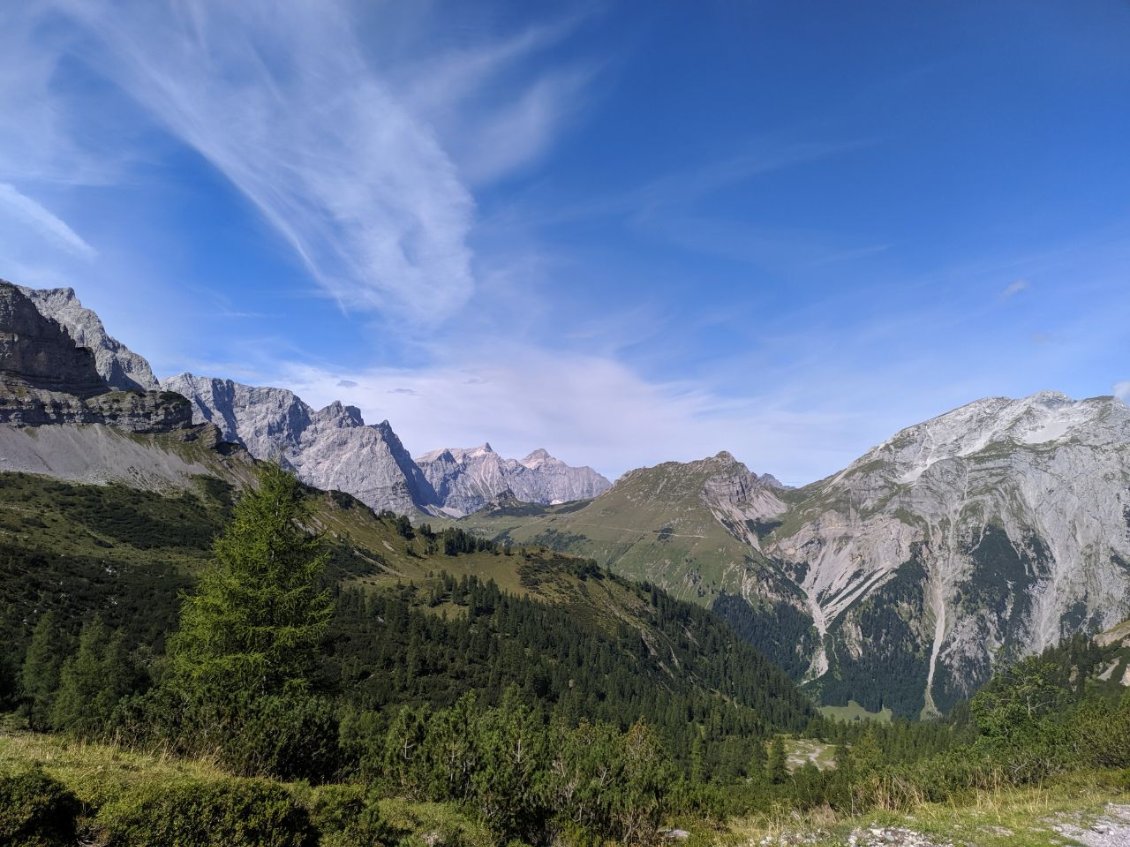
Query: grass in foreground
x,y
1012,817
104,776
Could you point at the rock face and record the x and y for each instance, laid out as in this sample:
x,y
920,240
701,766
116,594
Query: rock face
x,y
333,448
466,480
984,534
46,379
330,448
118,366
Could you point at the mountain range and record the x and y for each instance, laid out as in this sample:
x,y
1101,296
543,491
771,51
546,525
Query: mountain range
x,y
985,534
331,448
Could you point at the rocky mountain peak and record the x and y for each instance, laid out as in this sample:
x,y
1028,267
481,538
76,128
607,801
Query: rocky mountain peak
x,y
999,422
119,366
538,458
469,479
331,448
36,354
46,379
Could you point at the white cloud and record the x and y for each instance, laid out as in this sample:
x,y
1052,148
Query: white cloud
x,y
28,212
279,99
519,133
492,113
1122,391
1014,288
361,166
584,409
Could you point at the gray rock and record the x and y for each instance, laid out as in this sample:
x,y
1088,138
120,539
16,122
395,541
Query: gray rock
x,y
119,366
45,379
330,448
1001,528
467,480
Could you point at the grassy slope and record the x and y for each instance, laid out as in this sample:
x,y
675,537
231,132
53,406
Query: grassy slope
x,y
1007,818
653,525
63,544
855,712
99,774
1013,817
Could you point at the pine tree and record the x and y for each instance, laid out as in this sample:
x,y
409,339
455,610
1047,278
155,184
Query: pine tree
x,y
512,749
258,617
698,763
39,675
757,764
90,684
778,762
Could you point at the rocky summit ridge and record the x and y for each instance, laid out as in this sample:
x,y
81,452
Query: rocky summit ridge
x,y
63,349
45,378
331,448
466,480
994,531
119,366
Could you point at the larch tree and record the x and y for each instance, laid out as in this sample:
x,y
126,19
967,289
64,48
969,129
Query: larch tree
x,y
259,615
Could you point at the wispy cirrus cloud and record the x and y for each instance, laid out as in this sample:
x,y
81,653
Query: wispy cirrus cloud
x,y
280,101
509,131
364,167
24,210
1013,288
683,187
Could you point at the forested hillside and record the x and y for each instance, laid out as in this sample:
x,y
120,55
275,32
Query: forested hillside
x,y
419,617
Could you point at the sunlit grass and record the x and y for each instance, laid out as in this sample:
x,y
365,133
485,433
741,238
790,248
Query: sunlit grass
x,y
1008,817
97,773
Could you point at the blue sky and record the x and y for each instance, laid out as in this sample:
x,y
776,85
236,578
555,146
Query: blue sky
x,y
628,232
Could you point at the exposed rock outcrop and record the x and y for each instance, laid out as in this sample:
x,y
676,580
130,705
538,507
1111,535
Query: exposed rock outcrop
x,y
989,532
46,379
119,366
466,480
331,448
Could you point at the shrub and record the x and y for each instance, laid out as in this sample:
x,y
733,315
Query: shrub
x,y
1101,730
36,810
285,736
194,813
346,817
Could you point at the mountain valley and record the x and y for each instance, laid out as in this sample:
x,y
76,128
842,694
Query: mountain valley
x,y
959,544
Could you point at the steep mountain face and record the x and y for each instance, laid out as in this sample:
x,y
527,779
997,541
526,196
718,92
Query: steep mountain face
x,y
119,366
330,448
466,480
987,533
46,379
333,448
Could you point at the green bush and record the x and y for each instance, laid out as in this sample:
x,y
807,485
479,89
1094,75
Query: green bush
x,y
1101,730
285,736
346,816
36,810
194,813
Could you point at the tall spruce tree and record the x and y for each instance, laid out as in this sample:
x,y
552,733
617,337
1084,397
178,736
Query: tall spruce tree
x,y
39,675
778,761
258,617
92,682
